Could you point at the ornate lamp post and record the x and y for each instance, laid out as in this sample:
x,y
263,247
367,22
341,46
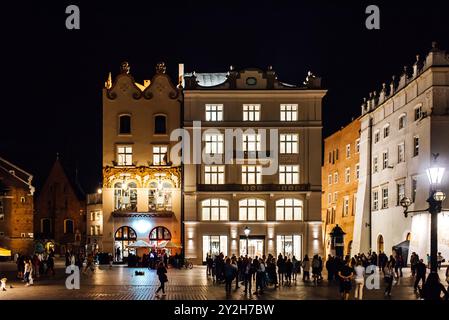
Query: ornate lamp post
x,y
435,200
247,232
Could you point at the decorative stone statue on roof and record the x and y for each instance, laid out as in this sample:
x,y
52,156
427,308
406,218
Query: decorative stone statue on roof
x,y
160,67
124,67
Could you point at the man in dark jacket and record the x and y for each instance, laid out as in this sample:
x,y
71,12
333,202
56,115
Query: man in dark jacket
x,y
421,270
330,267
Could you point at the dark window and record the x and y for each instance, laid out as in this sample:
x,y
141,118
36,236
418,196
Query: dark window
x,y
125,124
160,126
46,226
68,226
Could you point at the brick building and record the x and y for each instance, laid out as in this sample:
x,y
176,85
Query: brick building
x,y
60,219
340,176
16,208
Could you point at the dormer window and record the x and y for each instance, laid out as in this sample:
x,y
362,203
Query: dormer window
x,y
125,124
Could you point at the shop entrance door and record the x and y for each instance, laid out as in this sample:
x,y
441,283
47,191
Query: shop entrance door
x,y
256,246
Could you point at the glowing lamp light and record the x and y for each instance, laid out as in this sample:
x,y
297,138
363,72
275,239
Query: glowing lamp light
x,y
143,226
435,175
99,191
247,231
439,196
405,202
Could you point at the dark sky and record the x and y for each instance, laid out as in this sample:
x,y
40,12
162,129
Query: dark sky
x,y
52,77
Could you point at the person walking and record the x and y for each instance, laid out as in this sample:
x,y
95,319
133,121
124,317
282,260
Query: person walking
x,y
398,266
295,263
248,273
315,269
330,267
288,272
28,275
50,265
260,275
281,268
433,289
345,274
421,271
389,275
306,268
162,275
414,259
359,280
229,273
440,260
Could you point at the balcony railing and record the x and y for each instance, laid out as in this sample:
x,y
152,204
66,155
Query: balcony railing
x,y
253,187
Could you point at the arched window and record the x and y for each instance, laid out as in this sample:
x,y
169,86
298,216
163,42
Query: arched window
x,y
252,209
288,209
214,209
124,124
160,196
68,226
160,124
124,236
45,225
158,235
380,243
125,196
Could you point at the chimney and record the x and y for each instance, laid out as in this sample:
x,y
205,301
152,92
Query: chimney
x,y
392,85
181,74
416,66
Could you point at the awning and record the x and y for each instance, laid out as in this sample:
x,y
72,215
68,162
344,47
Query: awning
x,y
139,244
169,245
5,252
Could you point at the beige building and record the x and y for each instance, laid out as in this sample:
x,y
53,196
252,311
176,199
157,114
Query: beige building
x,y
141,184
282,209
340,178
94,221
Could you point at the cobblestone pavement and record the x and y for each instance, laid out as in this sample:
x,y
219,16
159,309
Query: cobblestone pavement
x,y
121,283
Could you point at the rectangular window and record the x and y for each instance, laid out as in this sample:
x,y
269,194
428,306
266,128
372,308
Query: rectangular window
x,y
357,145
214,143
330,157
288,209
384,197
288,245
251,112
401,153
418,113
414,188
401,193
375,200
289,112
415,146
289,143
347,175
214,245
2,217
124,155
251,142
251,210
329,179
289,174
92,216
335,177
329,198
214,210
214,112
335,196
385,160
97,230
92,230
348,151
160,155
354,204
214,174
386,131
251,174
357,171
375,164
402,121
376,136
345,206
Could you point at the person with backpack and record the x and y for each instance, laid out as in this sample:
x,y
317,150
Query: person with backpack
x,y
162,275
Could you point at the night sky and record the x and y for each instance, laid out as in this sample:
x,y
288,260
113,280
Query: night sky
x,y
52,77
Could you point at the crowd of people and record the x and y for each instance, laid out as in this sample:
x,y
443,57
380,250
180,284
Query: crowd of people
x,y
263,272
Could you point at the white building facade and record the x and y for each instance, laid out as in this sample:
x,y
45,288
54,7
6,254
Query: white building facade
x,y
400,129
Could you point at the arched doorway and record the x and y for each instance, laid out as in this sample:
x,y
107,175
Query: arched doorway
x,y
158,235
408,237
380,243
124,236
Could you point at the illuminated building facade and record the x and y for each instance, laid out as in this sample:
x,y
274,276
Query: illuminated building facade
x,y
141,184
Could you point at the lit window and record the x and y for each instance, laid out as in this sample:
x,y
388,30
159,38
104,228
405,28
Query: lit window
x,y
251,174
159,155
214,174
289,174
251,210
347,175
289,112
214,209
124,155
214,112
251,142
289,143
125,196
251,112
214,143
288,209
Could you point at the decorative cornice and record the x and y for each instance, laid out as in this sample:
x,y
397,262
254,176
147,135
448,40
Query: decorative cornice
x,y
142,175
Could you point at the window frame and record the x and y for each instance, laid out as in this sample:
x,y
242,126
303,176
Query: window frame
x,y
251,112
258,204
215,112
289,112
120,116
125,154
255,173
289,143
214,174
222,206
295,204
289,173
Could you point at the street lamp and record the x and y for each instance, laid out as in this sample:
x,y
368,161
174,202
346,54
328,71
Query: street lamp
x,y
436,197
247,231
